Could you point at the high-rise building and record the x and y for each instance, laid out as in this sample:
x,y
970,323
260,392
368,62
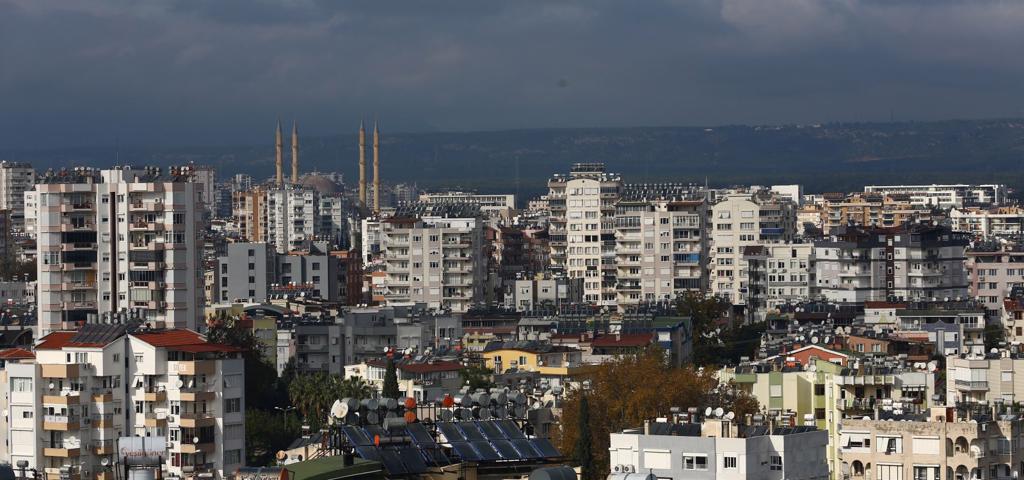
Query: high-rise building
x,y
434,254
912,262
661,247
582,228
76,393
15,179
249,208
119,239
740,221
293,218
206,177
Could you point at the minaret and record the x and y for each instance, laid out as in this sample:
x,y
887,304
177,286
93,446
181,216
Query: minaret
x,y
295,152
376,169
279,150
362,165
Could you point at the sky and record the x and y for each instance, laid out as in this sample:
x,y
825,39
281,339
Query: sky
x,y
187,73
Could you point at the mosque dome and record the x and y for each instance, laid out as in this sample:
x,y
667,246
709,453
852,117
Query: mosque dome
x,y
321,184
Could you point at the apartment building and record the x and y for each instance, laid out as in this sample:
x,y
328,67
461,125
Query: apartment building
x,y
582,228
953,326
251,271
72,397
119,239
205,176
315,346
988,223
777,274
855,265
434,254
946,196
742,220
529,294
249,209
866,210
719,448
992,272
661,248
293,218
943,444
16,178
335,227
990,378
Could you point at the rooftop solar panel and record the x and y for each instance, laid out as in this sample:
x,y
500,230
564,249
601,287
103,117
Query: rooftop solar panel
x,y
356,435
510,429
487,452
466,452
367,452
490,430
411,458
375,430
434,456
392,462
505,449
471,432
544,447
526,449
420,434
451,433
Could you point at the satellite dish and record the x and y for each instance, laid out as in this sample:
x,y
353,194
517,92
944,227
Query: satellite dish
x,y
719,412
180,384
339,409
729,416
195,439
708,411
814,339
446,415
105,461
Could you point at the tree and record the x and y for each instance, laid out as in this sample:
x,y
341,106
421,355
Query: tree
x,y
266,433
994,336
313,394
476,377
355,387
262,390
390,388
634,388
583,453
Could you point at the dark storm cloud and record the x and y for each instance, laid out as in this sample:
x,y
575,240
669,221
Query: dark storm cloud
x,y
183,72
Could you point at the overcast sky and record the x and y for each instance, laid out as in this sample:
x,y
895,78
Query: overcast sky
x,y
178,72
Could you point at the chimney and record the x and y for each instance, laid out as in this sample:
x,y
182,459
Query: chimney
x,y
278,151
376,169
647,427
362,165
295,152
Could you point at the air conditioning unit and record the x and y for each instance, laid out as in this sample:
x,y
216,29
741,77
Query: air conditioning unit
x,y
170,418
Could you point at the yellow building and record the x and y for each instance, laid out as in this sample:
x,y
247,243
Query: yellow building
x,y
546,359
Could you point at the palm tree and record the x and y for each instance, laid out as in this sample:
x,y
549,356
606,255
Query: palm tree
x,y
355,387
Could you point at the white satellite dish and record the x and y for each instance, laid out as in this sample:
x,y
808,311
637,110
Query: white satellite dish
x,y
339,409
729,416
814,339
105,461
707,412
719,412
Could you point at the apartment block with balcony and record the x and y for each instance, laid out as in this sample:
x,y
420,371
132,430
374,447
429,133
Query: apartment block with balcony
x,y
987,379
582,228
293,218
946,196
434,254
16,178
777,274
992,272
77,392
988,223
661,248
913,262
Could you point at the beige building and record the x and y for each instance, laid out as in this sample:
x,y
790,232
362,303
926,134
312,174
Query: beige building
x,y
983,379
941,445
987,223
661,247
582,228
866,210
991,273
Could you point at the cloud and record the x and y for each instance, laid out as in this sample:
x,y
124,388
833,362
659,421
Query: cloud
x,y
186,72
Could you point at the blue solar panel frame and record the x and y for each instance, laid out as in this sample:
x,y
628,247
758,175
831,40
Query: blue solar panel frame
x,y
486,451
392,462
471,432
525,448
410,456
419,434
505,449
368,452
545,448
491,430
511,430
451,433
356,435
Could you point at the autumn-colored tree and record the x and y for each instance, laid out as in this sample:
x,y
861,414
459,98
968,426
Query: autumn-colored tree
x,y
626,391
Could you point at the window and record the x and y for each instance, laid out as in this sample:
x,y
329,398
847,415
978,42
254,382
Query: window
x,y
729,462
232,457
819,389
695,462
21,384
232,405
775,463
234,431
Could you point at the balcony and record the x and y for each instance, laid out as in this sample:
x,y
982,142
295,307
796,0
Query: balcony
x,y
971,385
196,420
65,398
146,207
73,266
61,452
205,447
105,475
78,246
81,305
103,420
59,370
102,396
194,367
61,423
151,395
103,447
78,227
79,285
68,207
156,420
55,473
196,395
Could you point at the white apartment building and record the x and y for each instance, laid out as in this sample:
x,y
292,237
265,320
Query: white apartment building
x,y
434,254
947,196
15,179
31,208
739,221
71,399
778,273
492,205
119,239
334,220
719,449
293,217
988,223
914,262
582,228
661,248
206,177
992,273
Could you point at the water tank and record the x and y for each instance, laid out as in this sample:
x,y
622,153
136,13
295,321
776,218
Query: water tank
x,y
560,472
632,476
141,474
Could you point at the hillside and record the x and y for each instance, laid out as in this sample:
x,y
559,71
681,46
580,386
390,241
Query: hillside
x,y
823,158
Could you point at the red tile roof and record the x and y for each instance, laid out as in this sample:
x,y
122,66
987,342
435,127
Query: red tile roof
x,y
16,354
627,340
183,341
59,340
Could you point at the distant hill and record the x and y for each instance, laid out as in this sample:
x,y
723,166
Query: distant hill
x,y
829,157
